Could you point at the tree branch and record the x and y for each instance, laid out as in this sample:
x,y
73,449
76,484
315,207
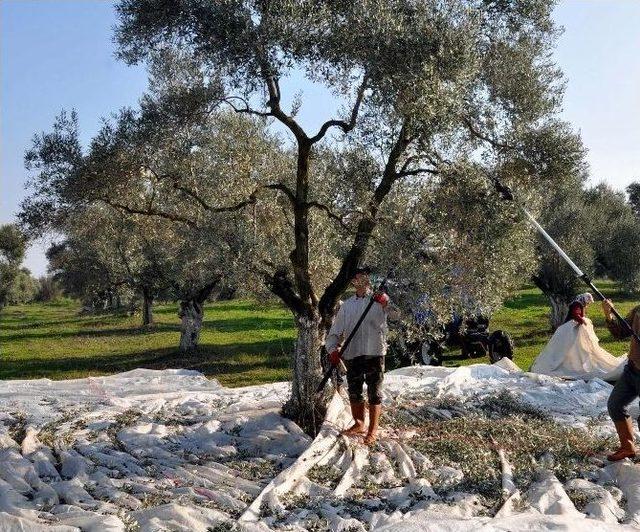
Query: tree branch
x,y
284,188
149,211
282,287
250,201
364,230
477,133
246,109
273,87
345,126
330,213
418,171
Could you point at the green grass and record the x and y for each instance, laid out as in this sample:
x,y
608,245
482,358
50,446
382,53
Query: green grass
x,y
242,342
525,318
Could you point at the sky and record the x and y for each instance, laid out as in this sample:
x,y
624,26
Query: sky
x,y
58,55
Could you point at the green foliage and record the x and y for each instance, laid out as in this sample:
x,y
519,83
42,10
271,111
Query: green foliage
x,y
24,288
48,289
597,228
633,190
429,88
614,234
565,217
13,245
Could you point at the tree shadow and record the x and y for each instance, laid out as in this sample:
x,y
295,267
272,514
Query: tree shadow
x,y
210,359
233,324
26,324
29,333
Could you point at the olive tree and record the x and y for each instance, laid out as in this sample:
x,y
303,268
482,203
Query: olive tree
x,y
425,86
80,273
566,219
633,190
437,98
614,234
24,288
151,246
12,249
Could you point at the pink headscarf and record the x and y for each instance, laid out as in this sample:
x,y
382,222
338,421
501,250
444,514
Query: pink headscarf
x,y
584,299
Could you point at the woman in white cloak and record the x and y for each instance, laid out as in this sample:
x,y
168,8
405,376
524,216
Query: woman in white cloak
x,y
574,350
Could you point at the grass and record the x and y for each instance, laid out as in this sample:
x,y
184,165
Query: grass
x,y
242,342
525,318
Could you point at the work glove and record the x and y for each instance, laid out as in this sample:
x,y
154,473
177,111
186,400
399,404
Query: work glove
x,y
382,298
334,357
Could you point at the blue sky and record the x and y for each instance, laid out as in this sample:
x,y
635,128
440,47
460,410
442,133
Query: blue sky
x,y
59,54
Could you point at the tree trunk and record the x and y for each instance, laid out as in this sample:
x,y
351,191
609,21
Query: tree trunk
x,y
191,314
147,310
110,301
304,405
559,310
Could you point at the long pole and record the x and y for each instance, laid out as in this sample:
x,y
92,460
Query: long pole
x,y
506,194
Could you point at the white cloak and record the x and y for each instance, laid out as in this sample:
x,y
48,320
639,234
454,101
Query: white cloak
x,y
574,352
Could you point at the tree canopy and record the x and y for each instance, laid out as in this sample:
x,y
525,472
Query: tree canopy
x,y
438,97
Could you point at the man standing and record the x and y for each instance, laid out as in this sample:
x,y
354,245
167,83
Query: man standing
x,y
627,388
364,356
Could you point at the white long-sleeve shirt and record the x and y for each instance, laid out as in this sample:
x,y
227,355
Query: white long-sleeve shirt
x,y
371,338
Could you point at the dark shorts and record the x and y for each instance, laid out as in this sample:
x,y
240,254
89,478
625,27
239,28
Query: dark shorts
x,y
369,370
625,391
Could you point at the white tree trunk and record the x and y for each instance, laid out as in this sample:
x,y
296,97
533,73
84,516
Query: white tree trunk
x,y
304,405
559,310
191,313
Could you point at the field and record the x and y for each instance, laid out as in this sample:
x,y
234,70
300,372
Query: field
x,y
242,342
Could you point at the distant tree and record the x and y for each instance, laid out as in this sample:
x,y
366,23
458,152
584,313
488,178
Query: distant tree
x,y
24,288
13,245
122,251
597,228
110,244
48,289
196,271
78,271
567,220
633,190
614,234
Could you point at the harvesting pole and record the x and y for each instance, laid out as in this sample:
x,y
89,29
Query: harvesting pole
x,y
506,194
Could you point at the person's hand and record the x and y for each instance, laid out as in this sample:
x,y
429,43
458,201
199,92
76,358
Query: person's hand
x,y
335,357
607,307
382,298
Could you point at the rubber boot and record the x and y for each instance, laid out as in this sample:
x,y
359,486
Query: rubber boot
x,y
625,433
374,418
357,411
